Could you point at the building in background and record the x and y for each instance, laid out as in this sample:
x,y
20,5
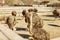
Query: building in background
x,y
28,2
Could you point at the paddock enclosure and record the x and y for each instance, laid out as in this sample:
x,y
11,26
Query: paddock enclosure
x,y
51,26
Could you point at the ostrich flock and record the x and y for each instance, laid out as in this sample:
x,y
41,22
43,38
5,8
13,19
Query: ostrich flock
x,y
35,23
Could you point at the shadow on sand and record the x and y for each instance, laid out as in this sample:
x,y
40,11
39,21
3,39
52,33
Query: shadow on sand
x,y
21,29
54,25
26,36
49,15
48,20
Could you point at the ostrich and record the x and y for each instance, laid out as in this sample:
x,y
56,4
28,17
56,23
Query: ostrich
x,y
56,14
35,24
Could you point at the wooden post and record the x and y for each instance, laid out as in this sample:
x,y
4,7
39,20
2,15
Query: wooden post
x,y
3,37
11,35
31,22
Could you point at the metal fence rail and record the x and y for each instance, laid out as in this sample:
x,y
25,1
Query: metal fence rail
x,y
8,10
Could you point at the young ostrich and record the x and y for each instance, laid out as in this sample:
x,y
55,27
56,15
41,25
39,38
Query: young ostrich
x,y
11,20
56,14
37,33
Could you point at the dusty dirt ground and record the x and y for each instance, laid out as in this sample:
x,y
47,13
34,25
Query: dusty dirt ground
x,y
51,26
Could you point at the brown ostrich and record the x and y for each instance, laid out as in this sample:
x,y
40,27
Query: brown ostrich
x,y
56,14
40,34
36,31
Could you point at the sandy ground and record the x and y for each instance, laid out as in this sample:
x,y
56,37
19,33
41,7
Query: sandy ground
x,y
51,26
